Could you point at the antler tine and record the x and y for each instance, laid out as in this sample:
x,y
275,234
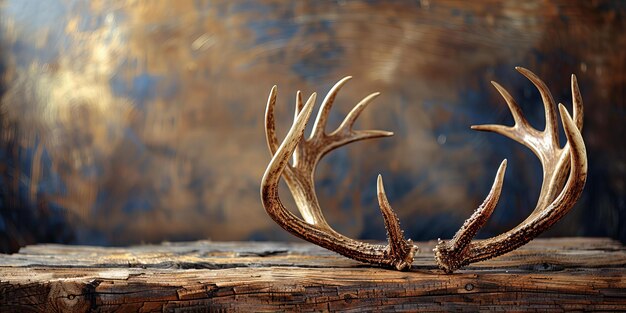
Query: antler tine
x,y
345,128
578,161
299,106
556,197
322,115
397,254
348,122
552,129
401,250
577,101
270,124
457,246
516,111
521,123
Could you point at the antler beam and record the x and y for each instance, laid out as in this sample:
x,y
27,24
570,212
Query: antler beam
x,y
299,176
557,195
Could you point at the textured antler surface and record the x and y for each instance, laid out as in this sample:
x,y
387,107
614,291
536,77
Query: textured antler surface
x,y
557,195
564,175
299,176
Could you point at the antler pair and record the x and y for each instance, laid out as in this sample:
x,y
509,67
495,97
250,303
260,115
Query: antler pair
x,y
556,197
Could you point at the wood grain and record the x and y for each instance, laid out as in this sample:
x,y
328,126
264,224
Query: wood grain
x,y
547,274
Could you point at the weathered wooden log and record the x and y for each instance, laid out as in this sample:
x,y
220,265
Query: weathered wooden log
x,y
547,274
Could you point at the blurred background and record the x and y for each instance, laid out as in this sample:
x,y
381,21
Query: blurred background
x,y
126,122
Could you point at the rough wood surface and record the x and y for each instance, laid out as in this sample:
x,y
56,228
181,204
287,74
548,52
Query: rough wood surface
x,y
547,274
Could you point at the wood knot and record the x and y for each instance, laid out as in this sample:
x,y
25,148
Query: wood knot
x,y
348,298
67,296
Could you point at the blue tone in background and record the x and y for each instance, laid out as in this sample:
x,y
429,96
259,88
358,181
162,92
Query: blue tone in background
x,y
129,122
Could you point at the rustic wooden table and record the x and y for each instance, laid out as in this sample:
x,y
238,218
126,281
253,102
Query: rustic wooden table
x,y
545,275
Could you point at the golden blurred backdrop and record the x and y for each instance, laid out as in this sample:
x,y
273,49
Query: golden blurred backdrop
x,y
142,121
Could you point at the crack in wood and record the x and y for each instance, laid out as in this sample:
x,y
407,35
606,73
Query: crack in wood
x,y
548,274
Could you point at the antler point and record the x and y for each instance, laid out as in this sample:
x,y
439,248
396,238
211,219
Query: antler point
x,y
379,184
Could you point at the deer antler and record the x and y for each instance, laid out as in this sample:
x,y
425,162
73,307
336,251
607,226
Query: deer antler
x,y
300,176
556,197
